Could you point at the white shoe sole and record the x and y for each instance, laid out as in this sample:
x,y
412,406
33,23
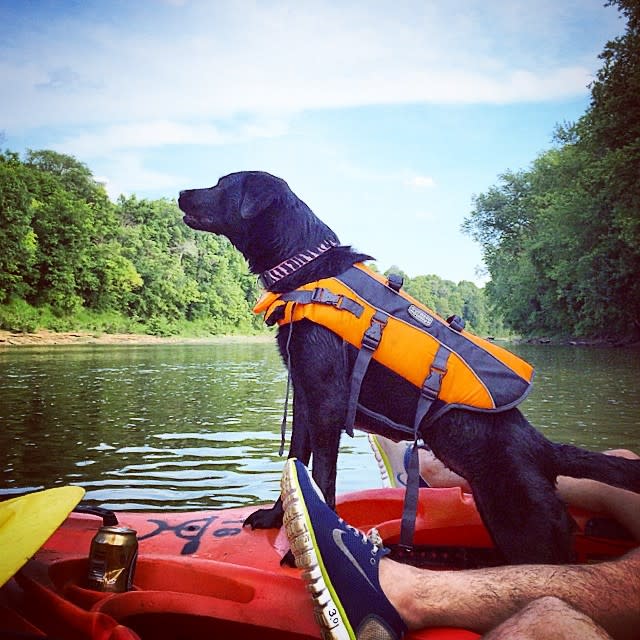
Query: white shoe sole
x,y
328,611
384,465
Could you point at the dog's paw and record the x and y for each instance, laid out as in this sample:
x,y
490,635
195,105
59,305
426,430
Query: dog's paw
x,y
288,560
265,518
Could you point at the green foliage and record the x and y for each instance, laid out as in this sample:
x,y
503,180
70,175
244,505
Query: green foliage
x,y
71,258
17,238
561,240
18,315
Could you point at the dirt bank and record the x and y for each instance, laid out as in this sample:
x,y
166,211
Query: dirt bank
x,y
51,338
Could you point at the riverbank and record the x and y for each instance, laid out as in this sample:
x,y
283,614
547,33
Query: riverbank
x,y
46,338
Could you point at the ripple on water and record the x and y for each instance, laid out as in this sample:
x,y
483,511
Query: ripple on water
x,y
192,427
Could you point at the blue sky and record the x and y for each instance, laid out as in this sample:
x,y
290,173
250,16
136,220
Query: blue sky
x,y
384,117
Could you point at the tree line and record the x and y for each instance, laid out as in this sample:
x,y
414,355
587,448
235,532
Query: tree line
x,y
72,259
561,239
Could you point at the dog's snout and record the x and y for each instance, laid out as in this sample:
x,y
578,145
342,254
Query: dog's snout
x,y
185,200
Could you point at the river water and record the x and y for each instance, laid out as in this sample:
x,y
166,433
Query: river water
x,y
198,426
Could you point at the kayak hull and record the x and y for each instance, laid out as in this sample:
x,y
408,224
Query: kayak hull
x,y
201,573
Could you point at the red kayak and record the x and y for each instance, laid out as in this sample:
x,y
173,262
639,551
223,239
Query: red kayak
x,y
201,574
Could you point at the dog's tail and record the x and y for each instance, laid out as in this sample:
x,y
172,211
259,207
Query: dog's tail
x,y
610,469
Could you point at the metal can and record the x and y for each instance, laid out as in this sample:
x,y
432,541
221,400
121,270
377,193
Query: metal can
x,y
112,559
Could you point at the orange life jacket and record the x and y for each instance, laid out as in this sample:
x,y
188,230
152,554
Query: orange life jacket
x,y
448,365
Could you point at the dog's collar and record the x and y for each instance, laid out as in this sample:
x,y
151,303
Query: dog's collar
x,y
292,264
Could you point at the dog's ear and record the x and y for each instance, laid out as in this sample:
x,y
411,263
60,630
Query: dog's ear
x,y
258,193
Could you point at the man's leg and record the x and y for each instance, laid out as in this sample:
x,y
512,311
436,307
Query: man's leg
x,y
340,562
482,599
623,506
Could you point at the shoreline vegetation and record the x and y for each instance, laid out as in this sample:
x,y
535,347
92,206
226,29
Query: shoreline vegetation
x,y
72,261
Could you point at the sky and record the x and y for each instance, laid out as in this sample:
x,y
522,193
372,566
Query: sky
x,y
386,117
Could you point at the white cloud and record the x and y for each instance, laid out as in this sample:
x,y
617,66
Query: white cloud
x,y
125,173
173,62
158,133
421,182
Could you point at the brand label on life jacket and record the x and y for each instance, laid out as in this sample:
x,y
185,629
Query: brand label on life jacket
x,y
420,315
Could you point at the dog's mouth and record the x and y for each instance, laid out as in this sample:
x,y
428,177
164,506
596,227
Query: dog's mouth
x,y
202,223
189,220
195,222
192,218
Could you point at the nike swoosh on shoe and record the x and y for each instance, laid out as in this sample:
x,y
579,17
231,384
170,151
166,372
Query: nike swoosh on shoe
x,y
337,538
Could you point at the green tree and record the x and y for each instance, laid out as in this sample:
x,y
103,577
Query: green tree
x,y
17,239
74,175
152,239
62,227
562,239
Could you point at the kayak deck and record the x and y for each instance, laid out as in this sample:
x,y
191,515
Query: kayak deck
x,y
201,573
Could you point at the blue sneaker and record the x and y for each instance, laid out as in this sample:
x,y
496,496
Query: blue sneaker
x,y
340,564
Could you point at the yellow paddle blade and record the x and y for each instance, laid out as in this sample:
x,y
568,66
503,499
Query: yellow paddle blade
x,y
27,522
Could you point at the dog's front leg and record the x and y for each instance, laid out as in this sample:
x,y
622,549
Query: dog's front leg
x,y
300,448
325,459
327,410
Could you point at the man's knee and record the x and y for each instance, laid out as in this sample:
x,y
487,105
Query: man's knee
x,y
546,618
548,605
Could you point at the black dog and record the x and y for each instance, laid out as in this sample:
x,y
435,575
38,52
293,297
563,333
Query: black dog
x,y
510,466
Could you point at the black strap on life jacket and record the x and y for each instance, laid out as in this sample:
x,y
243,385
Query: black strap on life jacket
x,y
411,497
319,295
428,395
370,341
431,386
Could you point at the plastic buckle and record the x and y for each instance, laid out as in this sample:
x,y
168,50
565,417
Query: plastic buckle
x,y
324,296
395,281
373,335
456,323
433,382
428,392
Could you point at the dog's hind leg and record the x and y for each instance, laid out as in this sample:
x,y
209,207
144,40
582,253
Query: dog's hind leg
x,y
614,470
509,466
527,521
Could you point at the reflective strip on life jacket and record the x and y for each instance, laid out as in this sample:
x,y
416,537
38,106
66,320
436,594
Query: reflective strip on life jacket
x,y
479,374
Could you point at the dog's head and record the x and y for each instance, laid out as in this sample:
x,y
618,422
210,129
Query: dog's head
x,y
259,214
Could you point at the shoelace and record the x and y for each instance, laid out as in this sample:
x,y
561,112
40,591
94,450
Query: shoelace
x,y
373,537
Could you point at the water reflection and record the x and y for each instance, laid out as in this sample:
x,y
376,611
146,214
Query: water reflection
x,y
585,396
192,426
